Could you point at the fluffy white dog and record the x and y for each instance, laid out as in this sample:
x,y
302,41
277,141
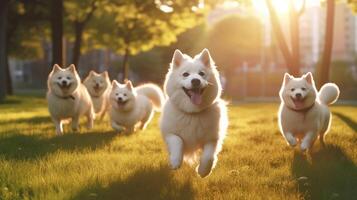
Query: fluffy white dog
x,y
194,116
131,106
68,98
304,115
98,86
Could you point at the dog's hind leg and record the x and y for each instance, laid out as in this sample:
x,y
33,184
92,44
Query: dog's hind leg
x,y
208,159
322,139
146,120
175,147
75,123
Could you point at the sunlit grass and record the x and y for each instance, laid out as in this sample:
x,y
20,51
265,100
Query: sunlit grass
x,y
255,162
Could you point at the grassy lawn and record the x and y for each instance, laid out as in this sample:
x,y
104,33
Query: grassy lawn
x,y
255,162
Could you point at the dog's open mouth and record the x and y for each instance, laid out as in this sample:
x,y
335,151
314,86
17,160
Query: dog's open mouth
x,y
64,86
97,89
298,102
121,103
195,94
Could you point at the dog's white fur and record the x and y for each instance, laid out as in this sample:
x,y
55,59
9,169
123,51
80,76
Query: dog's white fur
x,y
309,118
69,102
189,125
98,86
131,106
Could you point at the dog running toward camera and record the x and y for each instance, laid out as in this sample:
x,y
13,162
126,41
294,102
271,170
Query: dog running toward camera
x,y
68,98
304,115
194,117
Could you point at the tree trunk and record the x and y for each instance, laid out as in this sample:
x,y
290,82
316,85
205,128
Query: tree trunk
x,y
324,68
3,25
295,38
279,36
125,66
9,88
57,31
78,27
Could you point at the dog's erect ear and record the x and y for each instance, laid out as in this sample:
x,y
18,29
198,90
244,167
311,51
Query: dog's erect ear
x,y
205,58
177,59
129,85
92,73
309,78
105,74
287,78
72,68
56,68
115,84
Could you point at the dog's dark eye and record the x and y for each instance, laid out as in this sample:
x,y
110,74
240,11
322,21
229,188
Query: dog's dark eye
x,y
116,94
124,95
201,73
303,89
60,77
68,77
185,74
292,89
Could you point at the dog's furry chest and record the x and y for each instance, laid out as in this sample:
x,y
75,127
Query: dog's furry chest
x,y
194,129
98,103
62,108
302,122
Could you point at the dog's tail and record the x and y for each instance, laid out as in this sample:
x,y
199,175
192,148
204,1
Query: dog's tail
x,y
154,93
329,93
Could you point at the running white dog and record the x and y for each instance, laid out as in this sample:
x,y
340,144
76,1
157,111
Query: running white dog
x,y
133,106
68,98
304,114
194,116
98,86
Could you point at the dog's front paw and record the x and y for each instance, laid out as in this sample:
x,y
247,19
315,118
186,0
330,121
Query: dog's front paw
x,y
175,163
204,169
304,146
291,141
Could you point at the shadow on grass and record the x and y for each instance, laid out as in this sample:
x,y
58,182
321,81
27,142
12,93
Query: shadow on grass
x,y
330,175
143,184
32,120
347,120
24,147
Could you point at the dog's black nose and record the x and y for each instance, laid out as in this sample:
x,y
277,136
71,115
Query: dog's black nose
x,y
64,82
195,82
97,85
298,95
120,99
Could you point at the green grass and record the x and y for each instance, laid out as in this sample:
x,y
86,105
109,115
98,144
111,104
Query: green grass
x,y
255,162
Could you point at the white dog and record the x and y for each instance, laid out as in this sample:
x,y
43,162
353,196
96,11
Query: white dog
x,y
68,98
304,114
194,116
98,86
131,106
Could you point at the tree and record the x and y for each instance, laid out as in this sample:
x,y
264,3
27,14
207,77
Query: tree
x,y
292,58
239,44
24,32
57,32
3,26
324,68
130,27
79,14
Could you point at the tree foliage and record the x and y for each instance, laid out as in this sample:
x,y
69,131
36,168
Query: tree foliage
x,y
232,41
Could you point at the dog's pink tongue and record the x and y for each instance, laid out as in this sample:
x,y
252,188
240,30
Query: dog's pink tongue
x,y
196,98
299,104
